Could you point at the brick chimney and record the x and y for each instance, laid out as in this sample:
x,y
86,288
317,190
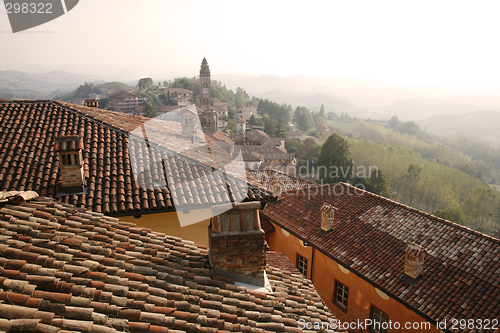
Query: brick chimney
x,y
92,103
414,261
237,244
327,214
70,149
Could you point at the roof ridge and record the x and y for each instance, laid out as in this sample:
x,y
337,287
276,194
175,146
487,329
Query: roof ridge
x,y
73,108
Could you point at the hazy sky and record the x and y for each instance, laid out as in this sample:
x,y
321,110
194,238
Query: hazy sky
x,y
420,42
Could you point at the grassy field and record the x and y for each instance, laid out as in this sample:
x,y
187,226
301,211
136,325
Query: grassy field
x,y
150,96
497,187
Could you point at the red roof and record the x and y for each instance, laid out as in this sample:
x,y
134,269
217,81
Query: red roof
x,y
28,161
66,269
461,276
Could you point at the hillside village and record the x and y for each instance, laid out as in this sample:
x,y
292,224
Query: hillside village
x,y
186,207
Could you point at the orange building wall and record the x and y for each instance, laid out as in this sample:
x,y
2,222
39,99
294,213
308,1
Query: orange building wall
x,y
290,245
362,295
169,224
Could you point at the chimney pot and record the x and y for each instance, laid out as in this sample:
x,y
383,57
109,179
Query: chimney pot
x,y
238,229
70,149
414,261
327,214
92,103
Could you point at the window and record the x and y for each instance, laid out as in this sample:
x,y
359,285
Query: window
x,y
302,264
341,295
380,320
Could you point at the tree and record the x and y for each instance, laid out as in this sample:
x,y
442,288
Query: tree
x,y
292,145
379,184
255,121
335,163
394,122
149,110
322,111
412,179
144,83
274,110
305,149
240,98
231,127
280,129
165,83
453,214
303,118
85,89
103,103
408,127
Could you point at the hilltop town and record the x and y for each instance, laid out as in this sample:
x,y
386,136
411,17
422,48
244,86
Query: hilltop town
x,y
185,206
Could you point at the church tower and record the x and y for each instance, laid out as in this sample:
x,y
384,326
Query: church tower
x,y
205,83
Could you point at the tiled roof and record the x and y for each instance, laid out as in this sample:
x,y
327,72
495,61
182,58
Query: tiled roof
x,y
268,178
221,136
28,161
64,269
254,135
273,142
461,276
122,95
265,152
179,91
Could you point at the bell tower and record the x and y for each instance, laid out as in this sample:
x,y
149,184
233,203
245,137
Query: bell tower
x,y
205,83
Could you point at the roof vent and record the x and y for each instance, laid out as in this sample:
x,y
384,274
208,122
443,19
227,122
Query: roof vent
x,y
71,163
327,213
414,261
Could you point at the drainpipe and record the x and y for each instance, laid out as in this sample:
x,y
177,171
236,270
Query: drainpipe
x,y
312,264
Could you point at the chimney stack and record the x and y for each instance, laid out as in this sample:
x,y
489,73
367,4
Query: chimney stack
x,y
414,261
70,149
92,103
327,214
237,245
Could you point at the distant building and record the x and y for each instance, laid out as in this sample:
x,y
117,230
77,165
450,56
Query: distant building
x,y
320,129
240,125
331,115
297,134
180,93
126,102
247,112
257,137
256,156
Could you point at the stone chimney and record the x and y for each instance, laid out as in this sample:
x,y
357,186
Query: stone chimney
x,y
188,122
237,244
327,214
70,149
92,103
414,261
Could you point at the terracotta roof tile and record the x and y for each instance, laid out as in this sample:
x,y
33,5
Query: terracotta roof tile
x,y
135,280
29,160
369,237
